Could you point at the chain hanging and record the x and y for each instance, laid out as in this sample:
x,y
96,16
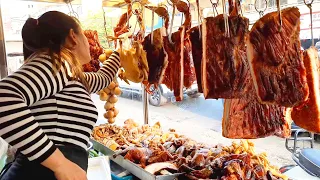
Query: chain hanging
x,y
214,7
309,5
105,27
72,12
261,12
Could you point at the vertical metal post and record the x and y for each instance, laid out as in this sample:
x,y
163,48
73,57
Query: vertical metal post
x,y
3,54
145,101
145,97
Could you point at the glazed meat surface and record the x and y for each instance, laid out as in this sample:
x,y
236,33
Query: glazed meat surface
x,y
223,70
275,59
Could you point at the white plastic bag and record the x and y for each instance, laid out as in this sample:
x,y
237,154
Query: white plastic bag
x,y
3,153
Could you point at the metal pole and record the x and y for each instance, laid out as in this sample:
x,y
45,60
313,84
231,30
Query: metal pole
x,y
3,54
145,101
145,97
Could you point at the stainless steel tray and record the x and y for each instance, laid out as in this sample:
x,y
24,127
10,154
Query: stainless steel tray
x,y
130,166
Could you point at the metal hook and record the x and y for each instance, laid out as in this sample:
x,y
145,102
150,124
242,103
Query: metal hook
x,y
214,7
139,10
71,10
171,25
105,26
261,12
152,24
226,20
280,16
309,5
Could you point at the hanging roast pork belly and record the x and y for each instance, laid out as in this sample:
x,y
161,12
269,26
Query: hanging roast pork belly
x,y
157,59
180,70
307,115
196,44
253,119
275,59
223,57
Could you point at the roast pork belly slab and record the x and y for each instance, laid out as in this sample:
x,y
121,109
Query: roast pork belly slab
x,y
307,115
223,57
275,59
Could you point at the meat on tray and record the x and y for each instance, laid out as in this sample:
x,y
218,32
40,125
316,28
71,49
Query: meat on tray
x,y
196,46
307,115
223,57
275,59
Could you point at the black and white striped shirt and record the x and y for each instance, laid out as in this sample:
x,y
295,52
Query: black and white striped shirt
x,y
39,109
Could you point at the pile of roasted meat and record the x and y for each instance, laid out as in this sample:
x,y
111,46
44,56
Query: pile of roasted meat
x,y
163,153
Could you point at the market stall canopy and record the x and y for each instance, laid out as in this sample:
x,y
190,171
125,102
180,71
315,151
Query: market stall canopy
x,y
57,1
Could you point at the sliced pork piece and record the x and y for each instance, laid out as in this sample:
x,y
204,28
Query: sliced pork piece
x,y
223,57
196,44
275,59
157,59
307,115
173,77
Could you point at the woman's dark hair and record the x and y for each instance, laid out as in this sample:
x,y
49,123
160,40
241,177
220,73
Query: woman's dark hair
x,y
47,32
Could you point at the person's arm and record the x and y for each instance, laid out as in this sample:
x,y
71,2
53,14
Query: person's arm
x,y
102,78
33,82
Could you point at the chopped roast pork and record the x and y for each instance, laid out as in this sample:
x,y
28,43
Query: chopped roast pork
x,y
223,57
307,115
275,59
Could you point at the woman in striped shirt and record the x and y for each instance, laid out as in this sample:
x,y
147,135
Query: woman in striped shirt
x,y
45,108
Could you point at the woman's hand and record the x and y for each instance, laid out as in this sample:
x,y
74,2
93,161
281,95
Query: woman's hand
x,y
70,171
63,168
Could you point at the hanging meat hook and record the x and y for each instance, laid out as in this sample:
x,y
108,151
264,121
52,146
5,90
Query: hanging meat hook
x,y
309,5
105,27
71,10
226,19
280,16
136,12
172,18
214,7
261,12
152,24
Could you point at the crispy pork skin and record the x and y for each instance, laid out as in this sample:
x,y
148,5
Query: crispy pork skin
x,y
307,115
223,57
275,59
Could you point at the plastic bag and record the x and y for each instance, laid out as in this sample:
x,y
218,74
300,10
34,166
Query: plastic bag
x,y
3,153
